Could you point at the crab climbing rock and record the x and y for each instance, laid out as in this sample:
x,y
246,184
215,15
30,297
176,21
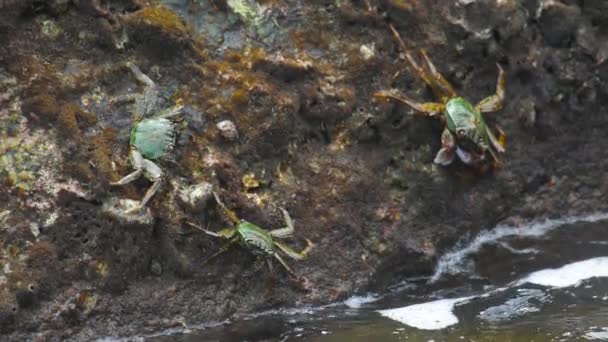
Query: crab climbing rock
x,y
257,240
466,133
151,138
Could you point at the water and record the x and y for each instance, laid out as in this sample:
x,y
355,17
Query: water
x,y
541,281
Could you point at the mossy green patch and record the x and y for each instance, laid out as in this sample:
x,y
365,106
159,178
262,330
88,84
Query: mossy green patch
x,y
162,18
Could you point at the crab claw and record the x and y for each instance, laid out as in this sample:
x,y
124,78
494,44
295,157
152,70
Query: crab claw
x,y
498,143
466,157
446,154
444,157
134,209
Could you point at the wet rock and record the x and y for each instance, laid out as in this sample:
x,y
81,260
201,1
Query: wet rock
x,y
28,297
257,17
287,69
337,99
57,7
156,268
8,315
159,31
558,23
43,106
527,113
584,97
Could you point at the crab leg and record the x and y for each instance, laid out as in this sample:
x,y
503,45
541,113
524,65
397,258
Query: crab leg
x,y
150,96
269,263
154,174
439,79
293,254
170,112
224,248
495,142
129,178
123,98
278,257
138,164
419,70
286,232
440,87
208,232
494,156
143,78
428,108
494,102
231,215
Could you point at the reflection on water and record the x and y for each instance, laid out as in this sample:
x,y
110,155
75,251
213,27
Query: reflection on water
x,y
559,292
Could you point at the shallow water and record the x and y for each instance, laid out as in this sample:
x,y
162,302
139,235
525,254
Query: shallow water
x,y
541,281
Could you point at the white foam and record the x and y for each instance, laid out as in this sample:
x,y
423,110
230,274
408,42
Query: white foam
x,y
452,263
570,274
427,316
439,314
597,335
355,302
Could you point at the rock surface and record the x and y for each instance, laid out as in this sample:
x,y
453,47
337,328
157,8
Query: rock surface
x,y
296,77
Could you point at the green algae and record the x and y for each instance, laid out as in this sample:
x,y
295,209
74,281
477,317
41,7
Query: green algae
x,y
162,18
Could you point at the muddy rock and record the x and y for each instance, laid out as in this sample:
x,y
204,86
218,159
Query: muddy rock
x,y
158,31
356,174
558,23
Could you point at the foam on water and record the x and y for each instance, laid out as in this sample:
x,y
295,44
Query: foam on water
x,y
427,316
570,274
597,335
452,263
356,302
439,314
523,303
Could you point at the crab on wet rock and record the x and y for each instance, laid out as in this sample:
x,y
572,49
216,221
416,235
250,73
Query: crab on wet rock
x,y
466,133
151,138
260,242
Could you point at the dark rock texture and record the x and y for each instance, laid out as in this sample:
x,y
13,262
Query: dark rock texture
x,y
356,175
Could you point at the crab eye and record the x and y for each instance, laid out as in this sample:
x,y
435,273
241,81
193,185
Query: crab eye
x,y
460,132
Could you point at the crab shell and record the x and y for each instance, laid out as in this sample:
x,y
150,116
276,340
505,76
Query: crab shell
x,y
255,239
468,128
153,138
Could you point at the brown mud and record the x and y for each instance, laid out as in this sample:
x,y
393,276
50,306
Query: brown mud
x,y
356,175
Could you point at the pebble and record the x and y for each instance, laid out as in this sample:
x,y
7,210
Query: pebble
x,y
367,52
228,129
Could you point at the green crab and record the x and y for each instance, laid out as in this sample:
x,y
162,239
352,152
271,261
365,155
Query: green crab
x,y
151,139
258,241
466,133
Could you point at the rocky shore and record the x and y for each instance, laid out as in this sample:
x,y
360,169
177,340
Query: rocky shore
x,y
296,79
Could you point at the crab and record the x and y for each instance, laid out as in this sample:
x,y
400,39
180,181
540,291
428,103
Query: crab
x,y
465,132
258,241
151,138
